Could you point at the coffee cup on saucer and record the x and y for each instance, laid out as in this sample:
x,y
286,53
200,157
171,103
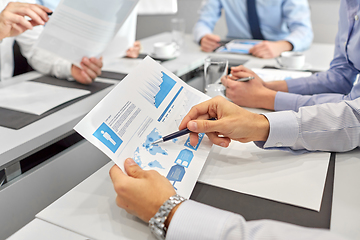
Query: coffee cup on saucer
x,y
164,49
291,60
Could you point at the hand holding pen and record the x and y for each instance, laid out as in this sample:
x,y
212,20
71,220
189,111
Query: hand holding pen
x,y
175,135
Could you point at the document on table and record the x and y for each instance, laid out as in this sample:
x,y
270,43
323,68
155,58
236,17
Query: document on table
x,y
148,104
238,46
272,174
80,29
276,74
36,98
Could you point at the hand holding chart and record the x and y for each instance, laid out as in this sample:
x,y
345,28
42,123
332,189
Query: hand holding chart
x,y
147,105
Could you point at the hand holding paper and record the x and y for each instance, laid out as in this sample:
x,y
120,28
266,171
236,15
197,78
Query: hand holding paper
x,y
145,106
13,23
90,69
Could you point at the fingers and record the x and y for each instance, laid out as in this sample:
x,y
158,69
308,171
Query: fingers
x,y
36,12
205,126
209,42
200,110
18,20
132,169
116,174
92,67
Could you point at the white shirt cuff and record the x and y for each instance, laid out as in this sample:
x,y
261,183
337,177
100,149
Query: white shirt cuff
x,y
284,129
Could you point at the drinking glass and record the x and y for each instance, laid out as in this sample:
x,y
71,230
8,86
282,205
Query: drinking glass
x,y
214,70
178,32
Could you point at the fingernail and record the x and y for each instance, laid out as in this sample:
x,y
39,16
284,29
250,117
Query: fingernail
x,y
192,126
130,161
222,144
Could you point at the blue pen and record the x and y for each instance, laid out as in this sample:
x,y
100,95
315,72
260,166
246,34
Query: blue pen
x,y
175,135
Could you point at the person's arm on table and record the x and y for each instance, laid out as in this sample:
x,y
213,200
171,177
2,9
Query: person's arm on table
x,y
270,49
209,15
13,21
253,93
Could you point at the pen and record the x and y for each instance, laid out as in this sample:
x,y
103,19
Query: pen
x,y
244,79
49,13
175,135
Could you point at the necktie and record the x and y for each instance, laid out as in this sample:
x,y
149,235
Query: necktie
x,y
254,20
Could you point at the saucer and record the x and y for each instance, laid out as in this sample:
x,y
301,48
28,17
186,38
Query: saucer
x,y
306,67
165,58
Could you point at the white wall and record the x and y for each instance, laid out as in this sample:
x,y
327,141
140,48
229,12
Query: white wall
x,y
324,15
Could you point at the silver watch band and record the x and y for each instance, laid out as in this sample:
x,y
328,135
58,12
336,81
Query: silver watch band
x,y
157,222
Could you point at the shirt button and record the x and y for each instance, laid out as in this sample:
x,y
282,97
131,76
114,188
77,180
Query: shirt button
x,y
356,17
279,144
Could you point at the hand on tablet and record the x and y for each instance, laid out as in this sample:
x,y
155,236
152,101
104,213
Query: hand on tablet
x,y
210,42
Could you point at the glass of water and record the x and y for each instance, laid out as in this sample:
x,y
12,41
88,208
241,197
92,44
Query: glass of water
x,y
214,70
178,32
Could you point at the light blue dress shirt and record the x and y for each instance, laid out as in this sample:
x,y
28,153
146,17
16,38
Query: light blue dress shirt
x,y
337,83
279,20
51,4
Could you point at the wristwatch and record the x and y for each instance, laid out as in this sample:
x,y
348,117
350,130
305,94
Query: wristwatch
x,y
157,222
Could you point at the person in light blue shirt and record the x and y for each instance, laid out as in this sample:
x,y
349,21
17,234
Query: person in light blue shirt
x,y
285,24
332,86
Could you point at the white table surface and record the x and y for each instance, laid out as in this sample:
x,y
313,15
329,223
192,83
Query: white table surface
x,y
41,230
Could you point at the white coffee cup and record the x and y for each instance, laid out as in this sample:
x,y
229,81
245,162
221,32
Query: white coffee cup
x,y
291,60
164,49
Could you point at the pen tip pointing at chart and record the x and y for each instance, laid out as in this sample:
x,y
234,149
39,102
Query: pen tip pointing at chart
x,y
157,141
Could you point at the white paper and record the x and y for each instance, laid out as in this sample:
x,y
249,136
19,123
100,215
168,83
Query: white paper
x,y
275,74
36,98
153,7
148,104
272,174
80,29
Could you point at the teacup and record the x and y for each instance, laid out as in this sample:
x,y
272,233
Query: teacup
x,y
291,60
164,49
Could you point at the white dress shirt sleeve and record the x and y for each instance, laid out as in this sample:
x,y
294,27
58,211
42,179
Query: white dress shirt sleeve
x,y
41,60
194,220
325,127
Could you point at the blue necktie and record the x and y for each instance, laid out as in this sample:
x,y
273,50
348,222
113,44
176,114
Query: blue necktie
x,y
254,20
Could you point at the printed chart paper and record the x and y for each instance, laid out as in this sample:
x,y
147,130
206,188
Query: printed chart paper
x,y
148,104
80,29
37,98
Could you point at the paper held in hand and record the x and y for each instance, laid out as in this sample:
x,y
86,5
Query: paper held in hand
x,y
80,29
147,105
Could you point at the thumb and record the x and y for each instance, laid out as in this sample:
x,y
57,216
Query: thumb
x,y
132,169
203,126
